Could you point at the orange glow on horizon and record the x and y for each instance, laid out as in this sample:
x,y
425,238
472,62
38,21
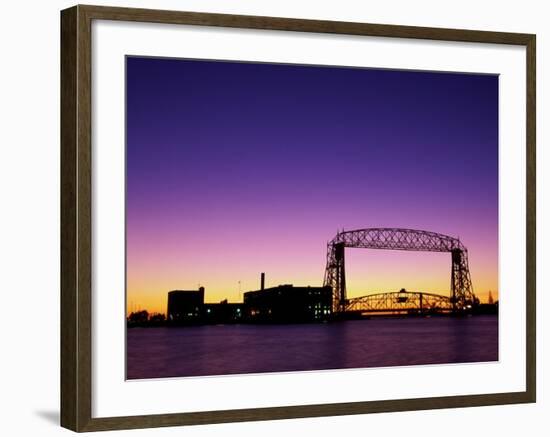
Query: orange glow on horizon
x,y
367,272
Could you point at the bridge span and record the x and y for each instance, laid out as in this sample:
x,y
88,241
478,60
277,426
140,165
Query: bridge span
x,y
400,302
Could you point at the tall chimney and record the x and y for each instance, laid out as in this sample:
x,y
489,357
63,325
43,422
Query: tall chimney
x,y
262,282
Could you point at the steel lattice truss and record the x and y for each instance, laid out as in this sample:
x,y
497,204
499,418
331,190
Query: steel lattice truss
x,y
400,302
461,293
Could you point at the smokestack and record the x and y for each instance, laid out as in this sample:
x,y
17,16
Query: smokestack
x,y
262,281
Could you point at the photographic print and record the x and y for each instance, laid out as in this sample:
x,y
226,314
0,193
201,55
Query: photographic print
x,y
284,218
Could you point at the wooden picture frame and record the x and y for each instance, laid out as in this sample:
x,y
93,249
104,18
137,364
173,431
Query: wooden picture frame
x,y
76,218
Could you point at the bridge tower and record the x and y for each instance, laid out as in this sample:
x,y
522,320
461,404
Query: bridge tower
x,y
461,283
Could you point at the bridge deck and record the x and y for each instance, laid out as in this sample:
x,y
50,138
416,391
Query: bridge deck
x,y
399,302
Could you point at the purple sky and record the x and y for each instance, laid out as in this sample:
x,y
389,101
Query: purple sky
x,y
237,168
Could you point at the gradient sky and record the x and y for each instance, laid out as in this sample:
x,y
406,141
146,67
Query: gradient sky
x,y
239,168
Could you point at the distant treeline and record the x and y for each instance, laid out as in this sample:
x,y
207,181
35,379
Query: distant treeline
x,y
144,318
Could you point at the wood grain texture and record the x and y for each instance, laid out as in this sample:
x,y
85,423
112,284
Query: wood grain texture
x,y
76,224
531,216
69,311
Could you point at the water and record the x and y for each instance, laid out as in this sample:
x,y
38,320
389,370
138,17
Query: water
x,y
230,349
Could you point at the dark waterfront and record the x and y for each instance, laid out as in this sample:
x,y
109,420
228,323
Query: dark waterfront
x,y
233,349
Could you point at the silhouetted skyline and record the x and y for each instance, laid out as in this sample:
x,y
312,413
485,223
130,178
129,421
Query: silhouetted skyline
x,y
236,168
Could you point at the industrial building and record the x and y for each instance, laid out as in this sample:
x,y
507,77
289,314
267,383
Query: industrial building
x,y
223,313
281,304
288,304
185,306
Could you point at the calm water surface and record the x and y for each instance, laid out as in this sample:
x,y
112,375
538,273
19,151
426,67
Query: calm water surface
x,y
229,349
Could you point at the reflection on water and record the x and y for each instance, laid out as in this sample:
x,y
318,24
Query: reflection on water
x,y
230,349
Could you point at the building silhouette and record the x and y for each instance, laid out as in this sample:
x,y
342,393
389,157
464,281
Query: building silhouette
x,y
281,304
288,304
185,306
223,313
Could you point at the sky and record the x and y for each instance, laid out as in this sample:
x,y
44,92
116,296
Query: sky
x,y
236,168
